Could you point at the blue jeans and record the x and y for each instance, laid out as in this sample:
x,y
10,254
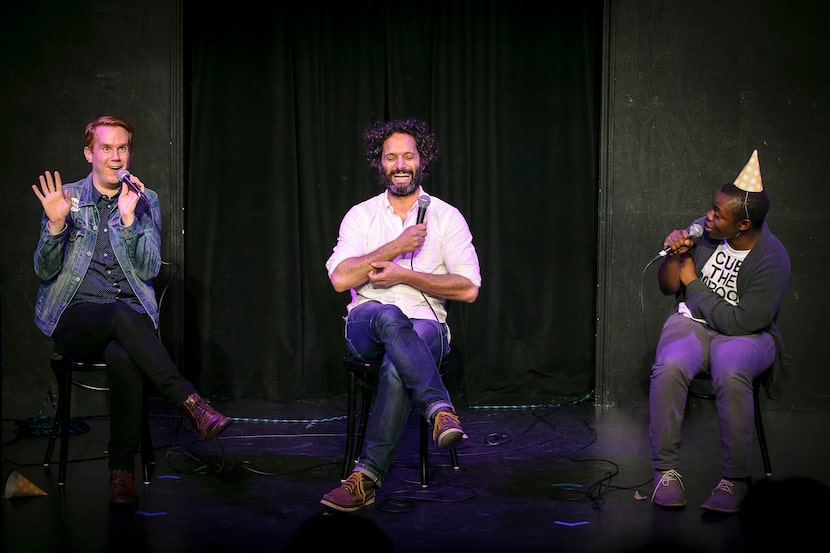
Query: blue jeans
x,y
408,351
687,348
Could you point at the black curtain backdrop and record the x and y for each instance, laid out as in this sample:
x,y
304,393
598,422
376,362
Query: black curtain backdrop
x,y
256,171
279,101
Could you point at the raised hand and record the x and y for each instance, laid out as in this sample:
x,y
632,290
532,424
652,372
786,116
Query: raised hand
x,y
54,199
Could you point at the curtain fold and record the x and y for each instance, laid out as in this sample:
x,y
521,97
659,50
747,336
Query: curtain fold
x,y
279,102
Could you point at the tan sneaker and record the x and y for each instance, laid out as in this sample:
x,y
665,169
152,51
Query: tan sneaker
x,y
446,430
356,492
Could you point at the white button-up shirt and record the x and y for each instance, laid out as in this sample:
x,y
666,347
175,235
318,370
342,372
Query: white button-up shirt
x,y
447,249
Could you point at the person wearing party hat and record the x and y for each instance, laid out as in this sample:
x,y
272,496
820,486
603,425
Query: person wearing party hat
x,y
728,286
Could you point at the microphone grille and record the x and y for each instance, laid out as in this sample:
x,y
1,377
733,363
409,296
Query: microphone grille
x,y
123,174
696,231
423,201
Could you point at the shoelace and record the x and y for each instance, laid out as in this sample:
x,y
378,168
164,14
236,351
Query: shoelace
x,y
439,426
354,485
725,486
200,408
202,411
439,418
667,479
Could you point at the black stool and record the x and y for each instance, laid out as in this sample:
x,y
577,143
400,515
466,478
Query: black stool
x,y
64,370
364,377
705,392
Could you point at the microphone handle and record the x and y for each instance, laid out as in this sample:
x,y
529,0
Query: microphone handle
x,y
134,186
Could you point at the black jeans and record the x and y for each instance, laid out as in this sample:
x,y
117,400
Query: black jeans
x,y
127,342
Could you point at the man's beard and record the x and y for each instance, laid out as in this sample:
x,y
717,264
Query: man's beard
x,y
388,181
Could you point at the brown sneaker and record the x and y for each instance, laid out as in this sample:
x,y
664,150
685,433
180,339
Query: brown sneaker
x,y
446,430
123,495
205,419
356,492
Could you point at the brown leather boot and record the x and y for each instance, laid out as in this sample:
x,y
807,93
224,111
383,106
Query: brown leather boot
x,y
205,419
123,495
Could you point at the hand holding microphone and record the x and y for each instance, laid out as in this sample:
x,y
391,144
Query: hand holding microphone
x,y
124,176
694,231
413,238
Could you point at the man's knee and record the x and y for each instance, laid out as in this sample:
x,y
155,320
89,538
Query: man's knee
x,y
731,377
670,371
392,314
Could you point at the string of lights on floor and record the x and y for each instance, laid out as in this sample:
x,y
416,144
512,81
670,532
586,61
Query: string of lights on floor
x,y
189,455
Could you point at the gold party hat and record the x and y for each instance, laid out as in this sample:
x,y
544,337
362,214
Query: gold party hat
x,y
750,178
18,485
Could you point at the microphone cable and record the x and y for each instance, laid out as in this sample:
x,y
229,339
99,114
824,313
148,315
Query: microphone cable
x,y
423,203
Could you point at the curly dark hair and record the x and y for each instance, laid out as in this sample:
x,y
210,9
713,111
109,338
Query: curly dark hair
x,y
425,140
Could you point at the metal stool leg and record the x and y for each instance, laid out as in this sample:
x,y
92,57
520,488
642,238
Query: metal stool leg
x,y
64,404
351,406
424,449
367,394
759,429
148,456
53,436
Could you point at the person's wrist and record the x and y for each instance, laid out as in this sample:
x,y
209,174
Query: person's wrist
x,y
57,228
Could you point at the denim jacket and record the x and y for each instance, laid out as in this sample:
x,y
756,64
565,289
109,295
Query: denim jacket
x,y
62,260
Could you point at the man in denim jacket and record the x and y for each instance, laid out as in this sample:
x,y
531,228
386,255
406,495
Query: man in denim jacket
x,y
99,250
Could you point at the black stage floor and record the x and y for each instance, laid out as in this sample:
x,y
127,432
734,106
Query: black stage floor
x,y
544,478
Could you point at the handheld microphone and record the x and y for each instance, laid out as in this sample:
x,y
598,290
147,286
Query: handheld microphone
x,y
695,231
124,176
423,202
